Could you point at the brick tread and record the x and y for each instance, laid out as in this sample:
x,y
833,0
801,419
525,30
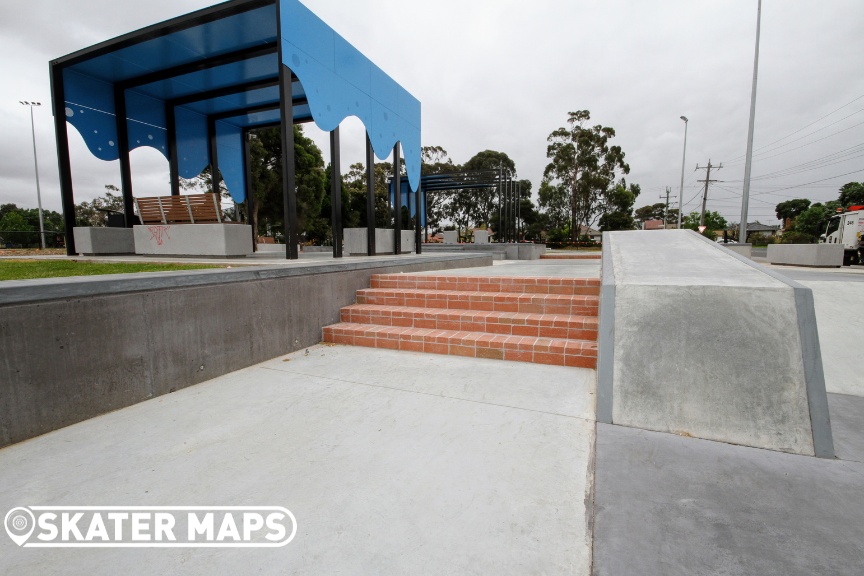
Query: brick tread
x,y
555,351
580,305
508,323
496,284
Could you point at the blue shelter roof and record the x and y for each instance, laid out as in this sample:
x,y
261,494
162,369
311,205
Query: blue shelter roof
x,y
221,65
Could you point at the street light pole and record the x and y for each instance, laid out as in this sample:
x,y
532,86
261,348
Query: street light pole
x,y
745,196
36,164
683,161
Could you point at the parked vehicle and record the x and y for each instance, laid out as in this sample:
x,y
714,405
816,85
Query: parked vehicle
x,y
847,228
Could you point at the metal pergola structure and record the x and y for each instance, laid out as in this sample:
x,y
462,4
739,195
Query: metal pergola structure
x,y
194,87
501,180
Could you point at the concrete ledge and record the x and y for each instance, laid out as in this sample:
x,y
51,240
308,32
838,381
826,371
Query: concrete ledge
x,y
698,341
96,241
117,340
522,251
745,250
817,255
355,243
193,239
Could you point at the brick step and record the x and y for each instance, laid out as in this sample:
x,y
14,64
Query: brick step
x,y
508,323
555,351
521,285
486,301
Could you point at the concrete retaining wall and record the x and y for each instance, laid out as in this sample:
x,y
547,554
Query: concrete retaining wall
x,y
355,241
818,255
71,349
698,341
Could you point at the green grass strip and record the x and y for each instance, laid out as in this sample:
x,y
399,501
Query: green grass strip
x,y
30,269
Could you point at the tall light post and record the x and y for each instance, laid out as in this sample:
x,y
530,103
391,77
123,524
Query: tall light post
x,y
31,105
745,196
683,161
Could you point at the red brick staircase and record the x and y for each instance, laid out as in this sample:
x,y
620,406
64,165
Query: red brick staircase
x,y
528,319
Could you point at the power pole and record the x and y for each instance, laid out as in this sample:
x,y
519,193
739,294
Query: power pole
x,y
666,212
705,193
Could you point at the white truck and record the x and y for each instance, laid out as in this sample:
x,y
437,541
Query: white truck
x,y
847,229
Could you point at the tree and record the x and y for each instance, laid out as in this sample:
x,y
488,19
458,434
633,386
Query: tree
x,y
790,209
481,204
852,194
714,223
93,213
618,214
653,212
583,167
435,160
810,224
14,222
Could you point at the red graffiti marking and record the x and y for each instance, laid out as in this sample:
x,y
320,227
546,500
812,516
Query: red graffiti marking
x,y
159,233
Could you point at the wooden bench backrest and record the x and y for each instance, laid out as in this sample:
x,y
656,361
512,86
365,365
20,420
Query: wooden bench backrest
x,y
185,209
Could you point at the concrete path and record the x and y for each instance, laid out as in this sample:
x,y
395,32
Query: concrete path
x,y
392,463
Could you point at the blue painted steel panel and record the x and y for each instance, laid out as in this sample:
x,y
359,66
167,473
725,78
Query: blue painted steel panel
x,y
409,203
146,122
193,153
229,145
90,109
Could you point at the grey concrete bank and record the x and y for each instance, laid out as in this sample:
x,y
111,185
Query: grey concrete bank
x,y
74,348
817,255
499,251
698,341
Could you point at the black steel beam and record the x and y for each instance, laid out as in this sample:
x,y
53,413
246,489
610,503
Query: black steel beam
x,y
226,91
255,108
173,158
64,163
123,150
397,201
370,197
336,192
289,192
213,152
199,65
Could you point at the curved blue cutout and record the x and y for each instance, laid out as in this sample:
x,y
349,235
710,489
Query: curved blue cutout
x,y
90,109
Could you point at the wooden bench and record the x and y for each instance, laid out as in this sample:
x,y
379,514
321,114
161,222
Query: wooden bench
x,y
184,209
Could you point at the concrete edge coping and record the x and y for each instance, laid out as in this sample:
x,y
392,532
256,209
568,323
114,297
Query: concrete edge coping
x,y
41,290
814,376
606,335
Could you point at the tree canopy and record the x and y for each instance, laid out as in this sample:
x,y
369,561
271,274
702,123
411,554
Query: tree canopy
x,y
582,169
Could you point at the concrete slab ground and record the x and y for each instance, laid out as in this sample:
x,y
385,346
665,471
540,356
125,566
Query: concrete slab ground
x,y
392,463
668,505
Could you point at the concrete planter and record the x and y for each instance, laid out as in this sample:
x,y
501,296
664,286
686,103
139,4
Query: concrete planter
x,y
103,241
817,255
193,239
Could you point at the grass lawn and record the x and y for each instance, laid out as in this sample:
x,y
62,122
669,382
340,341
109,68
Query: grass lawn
x,y
28,269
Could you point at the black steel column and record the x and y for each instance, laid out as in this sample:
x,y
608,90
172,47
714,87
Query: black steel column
x,y
123,149
173,162
289,188
370,198
336,192
397,201
425,210
250,195
58,103
214,154
417,238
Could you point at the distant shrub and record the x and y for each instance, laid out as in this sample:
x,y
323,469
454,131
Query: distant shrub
x,y
792,237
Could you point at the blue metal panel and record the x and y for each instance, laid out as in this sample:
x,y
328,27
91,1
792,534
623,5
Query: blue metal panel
x,y
220,36
260,68
409,203
146,122
90,109
192,141
229,142
333,74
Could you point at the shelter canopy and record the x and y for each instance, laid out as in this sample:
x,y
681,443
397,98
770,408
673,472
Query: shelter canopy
x,y
190,87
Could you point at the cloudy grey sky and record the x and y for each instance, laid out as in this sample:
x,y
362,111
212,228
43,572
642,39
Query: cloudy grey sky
x,y
502,74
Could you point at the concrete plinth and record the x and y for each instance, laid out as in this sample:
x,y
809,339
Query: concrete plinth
x,y
700,342
96,241
451,237
745,250
818,255
481,236
355,241
193,239
499,251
